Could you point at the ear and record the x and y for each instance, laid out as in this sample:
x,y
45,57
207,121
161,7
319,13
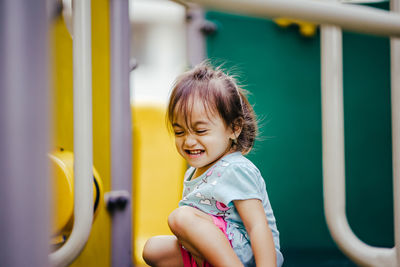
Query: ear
x,y
237,126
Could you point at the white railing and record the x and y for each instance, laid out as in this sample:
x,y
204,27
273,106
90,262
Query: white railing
x,y
83,156
333,156
395,97
350,17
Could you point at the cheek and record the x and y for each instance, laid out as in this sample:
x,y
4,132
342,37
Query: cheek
x,y
215,141
178,145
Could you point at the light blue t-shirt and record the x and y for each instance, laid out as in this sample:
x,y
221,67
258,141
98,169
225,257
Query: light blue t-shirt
x,y
233,177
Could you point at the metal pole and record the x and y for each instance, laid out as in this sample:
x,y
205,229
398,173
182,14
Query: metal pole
x,y
83,144
196,43
333,156
121,134
395,98
350,17
24,133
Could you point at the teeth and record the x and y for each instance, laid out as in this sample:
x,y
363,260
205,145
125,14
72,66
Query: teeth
x,y
194,152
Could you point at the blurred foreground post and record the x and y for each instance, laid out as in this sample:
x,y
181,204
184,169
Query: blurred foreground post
x,y
121,135
24,220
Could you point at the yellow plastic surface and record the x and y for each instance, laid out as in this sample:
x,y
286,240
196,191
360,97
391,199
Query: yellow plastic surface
x,y
62,166
62,196
158,175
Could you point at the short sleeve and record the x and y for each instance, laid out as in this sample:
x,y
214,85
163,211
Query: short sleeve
x,y
238,182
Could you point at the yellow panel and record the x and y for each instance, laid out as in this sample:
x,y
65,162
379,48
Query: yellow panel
x,y
62,165
62,195
97,251
158,174
62,84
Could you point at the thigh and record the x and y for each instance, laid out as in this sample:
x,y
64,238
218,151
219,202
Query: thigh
x,y
201,214
163,251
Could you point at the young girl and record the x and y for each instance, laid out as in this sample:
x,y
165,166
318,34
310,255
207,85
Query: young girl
x,y
224,217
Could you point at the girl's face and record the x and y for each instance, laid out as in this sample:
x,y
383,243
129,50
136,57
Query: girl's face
x,y
205,141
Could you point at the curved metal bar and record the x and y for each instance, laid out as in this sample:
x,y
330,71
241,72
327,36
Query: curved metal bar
x,y
83,184
350,17
395,98
333,156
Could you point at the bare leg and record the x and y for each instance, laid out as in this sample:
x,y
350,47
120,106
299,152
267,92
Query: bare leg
x,y
199,235
195,254
163,251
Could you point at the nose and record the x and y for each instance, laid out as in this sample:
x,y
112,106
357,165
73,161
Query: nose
x,y
190,140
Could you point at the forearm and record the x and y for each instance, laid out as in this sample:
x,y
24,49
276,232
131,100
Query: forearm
x,y
262,243
263,246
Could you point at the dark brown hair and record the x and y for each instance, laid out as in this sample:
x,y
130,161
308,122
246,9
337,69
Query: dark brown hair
x,y
219,93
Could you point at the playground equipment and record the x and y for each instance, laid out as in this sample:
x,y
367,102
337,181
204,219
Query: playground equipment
x,y
83,147
24,145
333,157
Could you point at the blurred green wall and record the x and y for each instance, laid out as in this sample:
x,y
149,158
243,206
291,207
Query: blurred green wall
x,y
281,69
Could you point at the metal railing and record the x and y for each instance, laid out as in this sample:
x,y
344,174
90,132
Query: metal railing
x,y
333,156
83,143
361,19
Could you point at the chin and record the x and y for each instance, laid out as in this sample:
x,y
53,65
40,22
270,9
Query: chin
x,y
198,165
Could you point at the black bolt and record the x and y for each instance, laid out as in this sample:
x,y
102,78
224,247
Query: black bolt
x,y
208,27
121,202
117,203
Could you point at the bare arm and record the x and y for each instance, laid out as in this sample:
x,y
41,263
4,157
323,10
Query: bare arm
x,y
252,213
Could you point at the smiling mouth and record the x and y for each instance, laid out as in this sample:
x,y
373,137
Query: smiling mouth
x,y
194,153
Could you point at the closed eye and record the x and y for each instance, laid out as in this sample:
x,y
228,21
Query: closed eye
x,y
178,133
201,131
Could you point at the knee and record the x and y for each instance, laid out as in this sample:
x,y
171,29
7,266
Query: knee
x,y
181,218
150,252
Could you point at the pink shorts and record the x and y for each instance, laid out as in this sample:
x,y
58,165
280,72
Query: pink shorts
x,y
188,260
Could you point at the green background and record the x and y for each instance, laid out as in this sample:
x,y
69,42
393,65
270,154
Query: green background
x,y
281,69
